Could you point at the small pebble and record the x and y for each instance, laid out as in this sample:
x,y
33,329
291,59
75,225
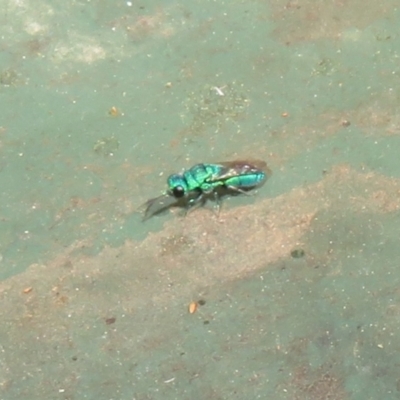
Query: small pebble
x,y
345,123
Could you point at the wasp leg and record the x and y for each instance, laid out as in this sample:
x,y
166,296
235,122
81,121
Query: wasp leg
x,y
218,202
197,202
236,189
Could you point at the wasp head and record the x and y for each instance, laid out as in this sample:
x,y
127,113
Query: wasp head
x,y
177,186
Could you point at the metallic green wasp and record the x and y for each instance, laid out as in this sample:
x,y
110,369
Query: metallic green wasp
x,y
194,186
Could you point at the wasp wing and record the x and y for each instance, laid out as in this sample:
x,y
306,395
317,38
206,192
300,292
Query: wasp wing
x,y
230,169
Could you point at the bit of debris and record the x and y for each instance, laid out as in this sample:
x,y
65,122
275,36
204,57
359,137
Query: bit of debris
x,y
193,307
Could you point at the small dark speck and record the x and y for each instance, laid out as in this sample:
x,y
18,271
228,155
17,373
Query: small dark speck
x,y
74,358
110,320
297,253
201,302
206,322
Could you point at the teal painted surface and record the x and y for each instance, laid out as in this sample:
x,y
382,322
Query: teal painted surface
x,y
101,102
